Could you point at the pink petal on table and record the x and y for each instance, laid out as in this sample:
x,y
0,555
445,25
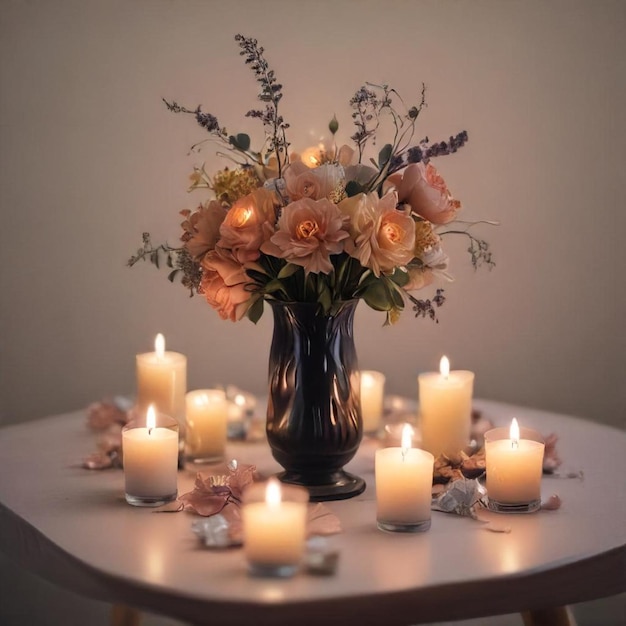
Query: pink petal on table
x,y
321,521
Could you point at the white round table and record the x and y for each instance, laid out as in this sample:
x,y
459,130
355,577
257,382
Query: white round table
x,y
73,527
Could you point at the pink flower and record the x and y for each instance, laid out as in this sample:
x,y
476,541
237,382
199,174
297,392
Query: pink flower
x,y
426,192
308,232
248,223
316,183
383,237
202,228
223,284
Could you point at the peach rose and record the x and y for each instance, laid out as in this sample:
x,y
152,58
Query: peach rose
x,y
308,232
248,223
223,285
315,183
382,237
426,192
202,228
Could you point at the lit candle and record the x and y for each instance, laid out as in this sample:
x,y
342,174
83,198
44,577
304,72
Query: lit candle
x,y
274,527
150,459
372,394
162,381
445,409
514,466
207,424
404,478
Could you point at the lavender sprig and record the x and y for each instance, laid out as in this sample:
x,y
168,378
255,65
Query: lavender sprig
x,y
271,94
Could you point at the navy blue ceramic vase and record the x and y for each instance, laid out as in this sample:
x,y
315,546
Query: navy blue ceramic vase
x,y
314,424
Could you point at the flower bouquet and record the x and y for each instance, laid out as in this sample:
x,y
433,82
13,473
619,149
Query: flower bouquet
x,y
312,233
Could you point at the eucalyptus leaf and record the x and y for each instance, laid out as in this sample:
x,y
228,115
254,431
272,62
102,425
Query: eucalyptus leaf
x,y
353,188
172,275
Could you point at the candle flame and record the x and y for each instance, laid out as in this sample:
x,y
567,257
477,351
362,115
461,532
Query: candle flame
x,y
367,380
514,433
407,434
272,492
201,400
159,346
151,419
444,366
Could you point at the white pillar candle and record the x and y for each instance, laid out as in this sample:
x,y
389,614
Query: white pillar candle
x,y
150,459
274,527
162,381
404,477
207,425
445,409
514,467
372,395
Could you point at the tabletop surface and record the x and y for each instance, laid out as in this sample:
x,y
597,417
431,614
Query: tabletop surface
x,y
73,526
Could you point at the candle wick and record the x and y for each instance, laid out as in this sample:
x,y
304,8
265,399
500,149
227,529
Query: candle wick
x,y
404,451
149,431
515,444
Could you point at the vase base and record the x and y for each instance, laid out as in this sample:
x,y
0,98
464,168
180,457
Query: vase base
x,y
340,485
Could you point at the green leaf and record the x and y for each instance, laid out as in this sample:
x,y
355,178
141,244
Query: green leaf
x,y
272,286
288,270
154,258
172,275
241,141
385,154
353,188
400,277
255,311
377,297
324,296
256,276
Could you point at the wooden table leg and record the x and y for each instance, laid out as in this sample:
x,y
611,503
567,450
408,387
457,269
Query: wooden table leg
x,y
122,615
558,616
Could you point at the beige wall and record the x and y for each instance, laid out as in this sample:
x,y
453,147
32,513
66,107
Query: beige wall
x,y
90,158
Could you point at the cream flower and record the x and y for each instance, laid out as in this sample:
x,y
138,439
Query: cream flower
x,y
426,192
315,183
382,237
308,232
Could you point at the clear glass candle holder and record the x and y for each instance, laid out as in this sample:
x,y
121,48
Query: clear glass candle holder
x,y
150,459
372,397
514,469
207,425
274,519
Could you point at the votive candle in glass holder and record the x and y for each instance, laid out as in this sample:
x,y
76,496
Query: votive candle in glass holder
x,y
372,395
162,381
514,465
274,527
150,459
404,478
207,425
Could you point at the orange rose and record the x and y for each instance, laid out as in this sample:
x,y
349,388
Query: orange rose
x,y
308,232
426,192
382,237
248,223
223,285
202,228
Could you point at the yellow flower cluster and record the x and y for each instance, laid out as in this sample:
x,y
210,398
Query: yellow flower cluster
x,y
230,185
